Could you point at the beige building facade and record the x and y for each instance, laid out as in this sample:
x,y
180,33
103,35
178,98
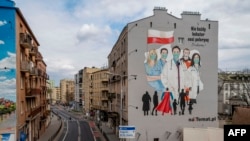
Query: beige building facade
x,y
56,95
67,89
100,90
87,85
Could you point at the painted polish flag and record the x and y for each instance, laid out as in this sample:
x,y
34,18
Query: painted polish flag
x,y
160,37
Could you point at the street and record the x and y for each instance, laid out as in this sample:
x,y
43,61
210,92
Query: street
x,y
75,128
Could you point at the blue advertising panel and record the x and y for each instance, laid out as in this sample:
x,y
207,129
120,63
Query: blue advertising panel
x,y
7,70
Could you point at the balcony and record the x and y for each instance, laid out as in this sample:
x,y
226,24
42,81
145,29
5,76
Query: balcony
x,y
32,92
104,89
47,76
34,71
25,66
104,98
39,57
39,72
34,112
105,108
33,51
25,40
104,80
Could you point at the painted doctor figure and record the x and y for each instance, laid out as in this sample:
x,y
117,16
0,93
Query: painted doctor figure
x,y
153,71
172,74
196,83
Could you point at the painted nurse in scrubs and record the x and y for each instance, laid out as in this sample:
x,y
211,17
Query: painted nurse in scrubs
x,y
153,70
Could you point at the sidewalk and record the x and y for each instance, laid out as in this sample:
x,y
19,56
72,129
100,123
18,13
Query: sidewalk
x,y
52,130
108,133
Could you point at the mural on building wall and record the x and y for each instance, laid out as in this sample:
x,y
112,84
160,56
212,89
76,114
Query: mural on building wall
x,y
174,73
7,73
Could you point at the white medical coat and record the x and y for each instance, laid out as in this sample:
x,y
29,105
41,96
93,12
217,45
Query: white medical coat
x,y
169,78
195,82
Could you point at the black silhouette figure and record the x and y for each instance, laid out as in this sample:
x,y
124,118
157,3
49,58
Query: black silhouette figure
x,y
181,100
146,99
175,106
190,107
155,101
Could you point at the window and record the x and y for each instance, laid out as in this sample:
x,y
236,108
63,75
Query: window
x,y
22,81
226,86
21,107
174,25
181,40
151,24
156,139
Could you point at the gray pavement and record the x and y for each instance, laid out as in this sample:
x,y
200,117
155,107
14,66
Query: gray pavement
x,y
103,133
52,130
108,133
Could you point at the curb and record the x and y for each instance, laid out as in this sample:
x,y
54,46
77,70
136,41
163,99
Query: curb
x,y
57,131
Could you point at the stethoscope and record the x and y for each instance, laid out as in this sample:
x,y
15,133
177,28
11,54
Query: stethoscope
x,y
172,64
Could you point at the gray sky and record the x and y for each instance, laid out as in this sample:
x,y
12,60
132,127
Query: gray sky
x,y
74,34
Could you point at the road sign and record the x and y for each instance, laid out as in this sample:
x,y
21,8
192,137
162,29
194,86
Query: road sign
x,y
126,131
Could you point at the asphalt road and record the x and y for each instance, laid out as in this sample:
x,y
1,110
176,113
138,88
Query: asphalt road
x,y
74,129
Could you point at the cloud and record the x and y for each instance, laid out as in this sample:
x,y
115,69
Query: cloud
x,y
2,23
2,78
9,61
8,89
90,32
77,33
1,42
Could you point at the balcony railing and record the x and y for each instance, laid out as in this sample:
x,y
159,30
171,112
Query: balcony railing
x,y
33,92
25,66
39,57
35,111
33,50
25,40
104,98
34,71
104,80
104,89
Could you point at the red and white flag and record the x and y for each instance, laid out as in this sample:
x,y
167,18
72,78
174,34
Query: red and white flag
x,y
160,37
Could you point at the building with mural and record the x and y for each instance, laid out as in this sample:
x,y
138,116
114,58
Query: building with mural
x,y
165,75
23,77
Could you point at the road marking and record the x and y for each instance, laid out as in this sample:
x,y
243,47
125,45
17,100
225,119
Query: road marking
x,y
79,131
66,132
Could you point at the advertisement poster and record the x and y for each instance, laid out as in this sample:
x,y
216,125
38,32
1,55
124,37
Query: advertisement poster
x,y
7,74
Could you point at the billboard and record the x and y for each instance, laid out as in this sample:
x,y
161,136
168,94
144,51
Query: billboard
x,y
7,72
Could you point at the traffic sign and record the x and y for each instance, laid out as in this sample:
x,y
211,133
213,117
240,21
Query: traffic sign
x,y
126,131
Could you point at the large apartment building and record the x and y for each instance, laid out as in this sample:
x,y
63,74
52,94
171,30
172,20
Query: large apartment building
x,y
233,91
78,90
100,102
147,59
67,90
87,85
29,69
56,95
